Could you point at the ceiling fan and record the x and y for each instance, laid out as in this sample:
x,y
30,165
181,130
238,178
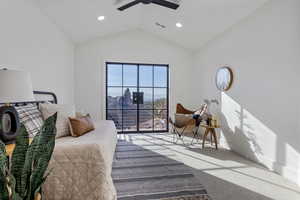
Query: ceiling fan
x,y
168,4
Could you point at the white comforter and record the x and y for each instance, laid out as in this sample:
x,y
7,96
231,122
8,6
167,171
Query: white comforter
x,y
81,167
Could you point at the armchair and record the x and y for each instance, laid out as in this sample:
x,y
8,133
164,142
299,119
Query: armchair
x,y
185,122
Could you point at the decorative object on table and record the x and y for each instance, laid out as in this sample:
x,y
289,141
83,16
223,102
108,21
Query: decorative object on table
x,y
224,78
23,177
15,86
209,129
209,103
214,121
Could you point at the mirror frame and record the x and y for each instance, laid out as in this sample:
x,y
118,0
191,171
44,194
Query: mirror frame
x,y
231,78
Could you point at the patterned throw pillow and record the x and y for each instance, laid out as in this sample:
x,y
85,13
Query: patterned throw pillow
x,y
31,117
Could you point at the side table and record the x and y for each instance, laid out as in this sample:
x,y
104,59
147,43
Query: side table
x,y
210,130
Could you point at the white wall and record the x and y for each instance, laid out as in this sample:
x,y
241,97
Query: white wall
x,y
134,46
30,42
260,113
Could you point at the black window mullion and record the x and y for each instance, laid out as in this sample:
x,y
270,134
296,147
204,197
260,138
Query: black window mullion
x,y
138,102
122,98
153,98
167,98
106,88
138,90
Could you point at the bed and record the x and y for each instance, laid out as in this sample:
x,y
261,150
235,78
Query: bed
x,y
81,167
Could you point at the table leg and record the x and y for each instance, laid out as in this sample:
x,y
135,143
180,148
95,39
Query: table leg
x,y
204,137
213,132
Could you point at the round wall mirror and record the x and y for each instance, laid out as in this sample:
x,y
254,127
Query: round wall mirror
x,y
224,78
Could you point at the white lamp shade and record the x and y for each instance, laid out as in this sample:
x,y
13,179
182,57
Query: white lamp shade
x,y
15,86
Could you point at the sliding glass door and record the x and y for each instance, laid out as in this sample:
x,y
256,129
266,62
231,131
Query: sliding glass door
x,y
137,97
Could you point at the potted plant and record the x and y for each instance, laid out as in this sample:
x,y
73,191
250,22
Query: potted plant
x,y
22,176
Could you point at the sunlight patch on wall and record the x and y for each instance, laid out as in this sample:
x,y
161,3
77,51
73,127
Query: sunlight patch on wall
x,y
246,134
292,158
230,110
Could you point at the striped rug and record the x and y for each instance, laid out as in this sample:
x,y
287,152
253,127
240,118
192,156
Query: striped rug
x,y
152,172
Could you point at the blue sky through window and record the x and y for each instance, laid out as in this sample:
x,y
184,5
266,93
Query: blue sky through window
x,y
114,78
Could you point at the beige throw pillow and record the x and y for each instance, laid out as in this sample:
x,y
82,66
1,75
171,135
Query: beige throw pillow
x,y
63,114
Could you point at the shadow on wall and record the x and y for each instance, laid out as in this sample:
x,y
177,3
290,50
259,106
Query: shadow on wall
x,y
238,139
246,135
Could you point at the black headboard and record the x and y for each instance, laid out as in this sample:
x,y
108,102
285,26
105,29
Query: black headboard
x,y
47,97
51,96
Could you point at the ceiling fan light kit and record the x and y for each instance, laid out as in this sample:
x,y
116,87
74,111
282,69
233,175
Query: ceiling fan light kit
x,y
172,4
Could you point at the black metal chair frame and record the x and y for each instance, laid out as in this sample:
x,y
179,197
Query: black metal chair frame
x,y
179,132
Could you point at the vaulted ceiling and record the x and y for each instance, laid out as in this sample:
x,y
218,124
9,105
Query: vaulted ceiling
x,y
202,20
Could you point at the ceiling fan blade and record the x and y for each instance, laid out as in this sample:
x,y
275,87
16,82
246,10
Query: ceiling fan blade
x,y
165,3
133,3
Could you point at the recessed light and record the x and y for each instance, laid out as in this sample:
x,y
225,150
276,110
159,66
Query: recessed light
x,y
101,18
178,24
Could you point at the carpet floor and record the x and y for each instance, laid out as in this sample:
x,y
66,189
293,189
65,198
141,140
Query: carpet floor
x,y
149,172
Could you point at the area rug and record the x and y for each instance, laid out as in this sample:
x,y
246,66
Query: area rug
x,y
153,174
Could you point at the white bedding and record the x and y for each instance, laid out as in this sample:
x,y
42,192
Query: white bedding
x,y
81,167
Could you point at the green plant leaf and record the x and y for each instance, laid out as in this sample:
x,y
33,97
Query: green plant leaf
x,y
3,172
42,153
12,185
18,159
27,169
29,162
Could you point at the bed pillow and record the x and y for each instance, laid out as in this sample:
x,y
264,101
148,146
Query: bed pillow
x,y
63,114
31,117
81,125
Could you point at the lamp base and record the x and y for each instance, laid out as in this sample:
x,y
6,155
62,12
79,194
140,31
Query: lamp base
x,y
9,124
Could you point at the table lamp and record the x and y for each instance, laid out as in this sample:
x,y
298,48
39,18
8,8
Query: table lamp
x,y
15,86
